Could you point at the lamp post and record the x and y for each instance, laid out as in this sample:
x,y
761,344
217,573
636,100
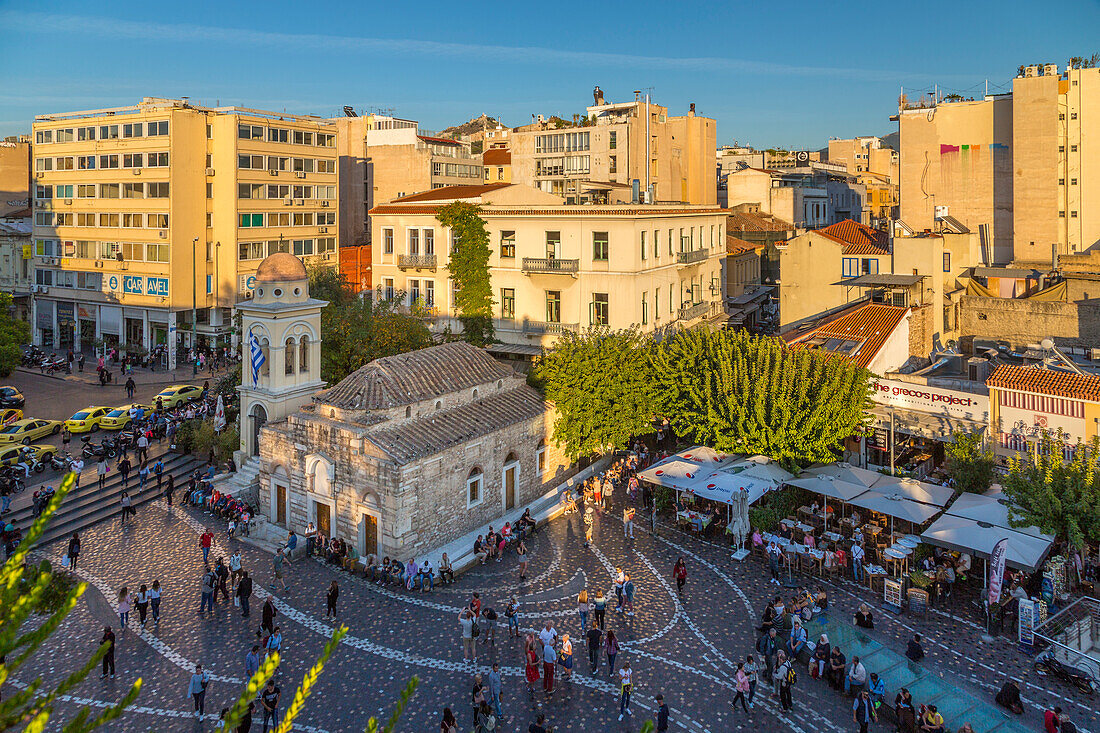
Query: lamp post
x,y
194,300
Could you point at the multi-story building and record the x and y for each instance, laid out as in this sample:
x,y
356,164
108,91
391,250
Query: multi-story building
x,y
1028,402
498,165
597,159
557,267
16,275
383,158
15,174
146,214
798,196
865,154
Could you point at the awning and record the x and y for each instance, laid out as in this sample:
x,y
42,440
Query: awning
x,y
717,476
674,473
992,509
829,487
909,488
925,424
896,506
750,296
978,538
845,472
883,279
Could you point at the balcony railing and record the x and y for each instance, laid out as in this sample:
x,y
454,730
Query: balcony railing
x,y
550,264
420,262
690,258
542,327
689,312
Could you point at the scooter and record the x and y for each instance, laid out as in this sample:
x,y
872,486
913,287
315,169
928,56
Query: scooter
x,y
1047,663
33,462
106,449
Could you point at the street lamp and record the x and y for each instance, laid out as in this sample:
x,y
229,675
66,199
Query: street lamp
x,y
194,300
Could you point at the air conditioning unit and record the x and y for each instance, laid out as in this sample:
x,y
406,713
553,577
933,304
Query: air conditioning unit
x,y
300,174
1050,70
209,171
1031,71
322,230
273,172
68,202
43,289
287,202
299,202
324,204
137,172
1094,354
163,233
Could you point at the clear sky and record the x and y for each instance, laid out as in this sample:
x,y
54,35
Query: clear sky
x,y
773,74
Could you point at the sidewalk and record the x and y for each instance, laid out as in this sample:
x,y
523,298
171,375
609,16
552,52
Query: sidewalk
x,y
180,375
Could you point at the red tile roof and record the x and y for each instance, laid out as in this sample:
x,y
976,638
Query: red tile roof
x,y
870,323
439,140
450,193
858,239
756,223
497,156
735,246
1045,381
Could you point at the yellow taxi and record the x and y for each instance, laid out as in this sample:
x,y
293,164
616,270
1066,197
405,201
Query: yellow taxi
x,y
119,418
177,394
86,420
14,454
24,431
10,415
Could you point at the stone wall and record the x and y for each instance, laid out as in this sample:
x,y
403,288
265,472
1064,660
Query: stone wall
x,y
1023,322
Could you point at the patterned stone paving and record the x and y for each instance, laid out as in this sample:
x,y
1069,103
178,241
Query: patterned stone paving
x,y
684,648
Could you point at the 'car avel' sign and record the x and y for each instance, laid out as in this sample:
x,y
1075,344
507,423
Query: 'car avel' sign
x,y
935,400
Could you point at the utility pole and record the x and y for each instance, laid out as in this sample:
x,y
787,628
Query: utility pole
x,y
194,299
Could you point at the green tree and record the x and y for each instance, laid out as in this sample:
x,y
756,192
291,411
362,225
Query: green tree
x,y
469,268
600,384
1059,497
751,394
969,462
13,334
357,330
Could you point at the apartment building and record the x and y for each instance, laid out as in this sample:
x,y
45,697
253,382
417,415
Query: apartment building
x,y
557,267
865,154
597,159
16,275
384,157
800,197
498,165
144,214
15,174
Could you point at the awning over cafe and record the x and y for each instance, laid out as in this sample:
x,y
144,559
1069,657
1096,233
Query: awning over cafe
x,y
925,424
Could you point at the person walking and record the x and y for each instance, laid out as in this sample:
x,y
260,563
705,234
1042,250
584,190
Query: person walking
x,y
221,578
77,467
496,690
511,612
267,617
252,661
158,470
628,522
599,609
857,561
594,638
66,437
549,659
235,567
206,600
154,601
109,657
101,469
127,506
565,657
531,666
196,688
130,388
74,550
279,563
752,671
742,687
269,703
582,608
206,540
124,467
141,602
612,646
626,687
863,711
784,678
523,556
169,488
330,600
662,714
628,596
477,697
466,624
143,474
123,608
768,646
680,572
244,592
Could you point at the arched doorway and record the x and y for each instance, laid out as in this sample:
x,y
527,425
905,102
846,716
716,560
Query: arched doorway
x,y
508,481
258,416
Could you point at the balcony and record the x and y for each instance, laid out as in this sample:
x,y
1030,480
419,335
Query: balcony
x,y
691,312
550,265
692,257
538,328
419,262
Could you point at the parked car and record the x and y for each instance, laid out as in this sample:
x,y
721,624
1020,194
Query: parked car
x,y
86,420
8,415
11,397
177,394
29,429
119,417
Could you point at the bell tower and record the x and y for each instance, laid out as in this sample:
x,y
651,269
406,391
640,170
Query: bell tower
x,y
281,347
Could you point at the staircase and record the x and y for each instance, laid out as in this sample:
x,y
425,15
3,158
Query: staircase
x,y
243,481
89,505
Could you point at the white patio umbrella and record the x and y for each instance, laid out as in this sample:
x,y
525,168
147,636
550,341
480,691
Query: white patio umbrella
x,y
896,506
829,487
910,488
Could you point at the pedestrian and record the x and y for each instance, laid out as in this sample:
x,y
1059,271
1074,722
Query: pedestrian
x,y
279,562
109,657
626,687
628,595
863,711
531,663
274,643
594,638
66,436
158,469
612,645
662,714
467,624
565,657
206,600
549,659
522,556
857,561
127,506
582,608
168,489
124,469
141,602
496,691
784,678
742,687
477,697
330,599
269,702
154,601
449,723
206,540
143,474
267,616
221,578
620,580
539,726
628,522
904,714
599,609
80,363
489,635
246,720
252,661
74,550
768,645
123,608
774,555
1052,720
142,447
101,469
511,612
680,572
244,593
235,567
752,671
196,688
130,388
914,651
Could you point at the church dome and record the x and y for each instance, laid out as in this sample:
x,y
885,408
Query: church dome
x,y
281,267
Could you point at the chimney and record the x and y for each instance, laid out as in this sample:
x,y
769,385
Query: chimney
x,y
597,96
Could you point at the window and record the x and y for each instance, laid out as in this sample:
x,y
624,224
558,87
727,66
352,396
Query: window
x,y
947,262
473,488
132,221
656,304
157,252
108,220
326,217
414,291
131,251
63,192
133,160
387,288
108,161
414,242
599,315
324,192
553,306
133,129
250,132
156,190
645,308
1061,181
45,247
278,219
326,141
1073,181
85,133
302,165
326,165
612,164
108,132
43,164
540,457
1073,215
429,241
429,293
43,136
643,246
250,162
276,192
109,190
276,163
387,241
209,190
157,221
158,160
302,138
870,266
508,303
508,243
302,192
156,129
612,140
133,190
85,191
276,246
250,190
1073,148
553,241
63,219
85,162
67,163
1062,214
671,251
303,247
850,267
252,220
43,192
277,135
599,247
303,219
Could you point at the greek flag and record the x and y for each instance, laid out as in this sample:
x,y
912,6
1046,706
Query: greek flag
x,y
256,355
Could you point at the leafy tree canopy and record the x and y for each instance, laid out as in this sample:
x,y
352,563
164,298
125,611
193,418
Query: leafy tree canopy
x,y
469,268
13,334
1059,497
600,383
969,462
747,394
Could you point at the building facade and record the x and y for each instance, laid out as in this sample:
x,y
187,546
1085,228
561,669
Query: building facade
x,y
145,214
15,174
16,274
1027,402
411,452
801,198
555,267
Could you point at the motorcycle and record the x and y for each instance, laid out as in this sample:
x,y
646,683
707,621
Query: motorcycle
x,y
57,462
33,356
31,460
1047,663
52,364
13,479
106,449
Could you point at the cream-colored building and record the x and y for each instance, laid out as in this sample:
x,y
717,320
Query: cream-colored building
x,y
15,174
865,154
558,267
16,275
146,212
801,198
1055,162
498,165
383,158
597,159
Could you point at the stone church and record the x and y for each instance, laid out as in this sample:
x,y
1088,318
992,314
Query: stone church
x,y
406,454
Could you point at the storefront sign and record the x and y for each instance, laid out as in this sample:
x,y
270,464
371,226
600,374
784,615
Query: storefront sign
x,y
112,283
66,315
156,286
247,283
28,252
86,312
1025,616
935,400
133,284
879,439
891,592
918,601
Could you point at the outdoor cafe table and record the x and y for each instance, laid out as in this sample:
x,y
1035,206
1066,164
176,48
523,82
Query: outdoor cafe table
x,y
797,525
871,529
873,573
910,540
830,536
702,521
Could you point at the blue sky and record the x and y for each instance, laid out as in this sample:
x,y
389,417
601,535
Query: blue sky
x,y
791,74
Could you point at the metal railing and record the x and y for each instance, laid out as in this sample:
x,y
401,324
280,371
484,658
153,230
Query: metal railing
x,y
541,327
550,264
420,262
689,312
690,258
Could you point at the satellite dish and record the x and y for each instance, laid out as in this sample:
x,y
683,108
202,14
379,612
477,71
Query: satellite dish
x,y
1047,344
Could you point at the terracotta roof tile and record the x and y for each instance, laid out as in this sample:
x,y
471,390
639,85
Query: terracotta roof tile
x,y
871,324
746,222
736,246
1045,381
858,239
439,140
497,156
449,193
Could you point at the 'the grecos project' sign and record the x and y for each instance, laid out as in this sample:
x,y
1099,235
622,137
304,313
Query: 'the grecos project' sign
x,y
931,399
